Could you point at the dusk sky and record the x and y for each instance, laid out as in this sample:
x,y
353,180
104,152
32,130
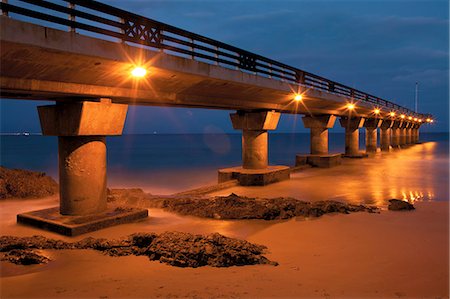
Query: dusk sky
x,y
382,47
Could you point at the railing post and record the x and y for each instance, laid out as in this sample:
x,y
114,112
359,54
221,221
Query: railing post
x,y
5,12
71,17
270,70
192,49
217,55
122,30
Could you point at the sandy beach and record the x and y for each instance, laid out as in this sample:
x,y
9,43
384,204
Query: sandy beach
x,y
360,255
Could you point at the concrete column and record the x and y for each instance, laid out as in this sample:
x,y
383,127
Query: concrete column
x,y
385,135
254,126
408,139
81,128
319,125
351,126
396,127
402,140
417,134
254,149
371,125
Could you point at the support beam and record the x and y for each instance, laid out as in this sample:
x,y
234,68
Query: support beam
x,y
371,125
351,126
385,135
319,156
408,132
255,169
81,128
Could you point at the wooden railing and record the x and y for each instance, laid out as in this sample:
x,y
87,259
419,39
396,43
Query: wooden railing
x,y
106,20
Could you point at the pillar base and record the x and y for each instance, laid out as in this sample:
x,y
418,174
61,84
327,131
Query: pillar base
x,y
321,161
255,177
356,156
50,219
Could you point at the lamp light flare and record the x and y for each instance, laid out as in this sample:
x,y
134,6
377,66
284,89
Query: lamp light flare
x,y
415,118
410,117
420,120
139,72
431,121
298,98
428,120
402,116
376,111
350,106
392,114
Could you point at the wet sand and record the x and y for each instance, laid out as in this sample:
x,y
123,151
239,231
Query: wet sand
x,y
361,255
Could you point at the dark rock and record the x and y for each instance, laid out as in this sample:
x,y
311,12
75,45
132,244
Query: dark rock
x,y
25,257
240,207
400,205
173,248
16,183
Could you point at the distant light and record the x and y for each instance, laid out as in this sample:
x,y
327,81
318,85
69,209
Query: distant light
x,y
415,118
139,72
392,114
420,120
402,116
432,120
350,106
298,98
376,111
428,120
410,117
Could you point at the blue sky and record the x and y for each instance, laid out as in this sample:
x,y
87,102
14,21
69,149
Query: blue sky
x,y
382,47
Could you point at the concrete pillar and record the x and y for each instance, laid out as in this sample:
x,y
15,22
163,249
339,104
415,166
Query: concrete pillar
x,y
396,127
254,126
81,128
402,140
408,139
371,125
319,125
385,135
417,133
254,149
351,126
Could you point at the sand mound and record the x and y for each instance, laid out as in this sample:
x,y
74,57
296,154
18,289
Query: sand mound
x,y
173,248
23,184
239,207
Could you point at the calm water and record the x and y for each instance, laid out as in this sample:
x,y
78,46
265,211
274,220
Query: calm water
x,y
165,163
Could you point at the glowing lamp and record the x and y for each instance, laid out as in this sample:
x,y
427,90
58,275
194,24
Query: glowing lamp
x,y
402,116
428,120
415,118
420,120
298,98
392,114
410,117
431,120
138,72
350,106
376,111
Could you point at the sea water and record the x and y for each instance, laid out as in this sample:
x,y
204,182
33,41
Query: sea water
x,y
166,163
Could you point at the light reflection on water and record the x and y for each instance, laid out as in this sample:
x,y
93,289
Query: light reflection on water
x,y
164,164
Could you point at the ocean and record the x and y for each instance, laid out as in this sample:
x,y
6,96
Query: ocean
x,y
165,163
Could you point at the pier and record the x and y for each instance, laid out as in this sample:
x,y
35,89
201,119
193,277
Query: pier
x,y
102,63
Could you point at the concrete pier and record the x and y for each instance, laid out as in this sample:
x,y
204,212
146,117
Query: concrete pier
x,y
396,127
255,169
319,156
351,126
82,128
402,140
385,135
408,137
371,125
